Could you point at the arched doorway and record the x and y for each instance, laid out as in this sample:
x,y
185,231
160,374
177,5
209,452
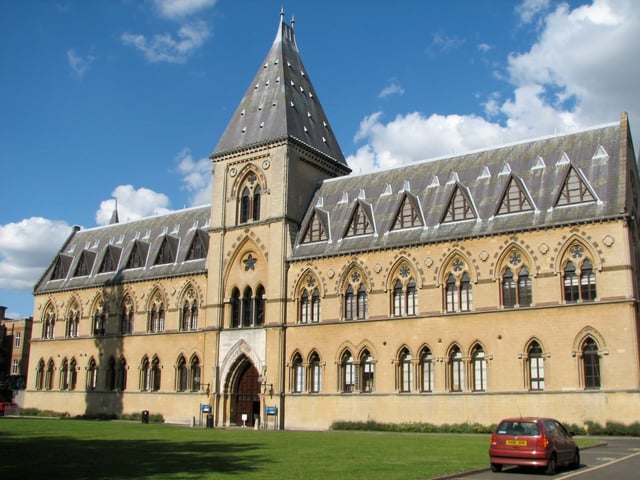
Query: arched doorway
x,y
245,396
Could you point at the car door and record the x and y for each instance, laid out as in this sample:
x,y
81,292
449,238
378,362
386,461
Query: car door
x,y
561,441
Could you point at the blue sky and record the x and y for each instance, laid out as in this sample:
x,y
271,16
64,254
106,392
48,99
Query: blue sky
x,y
104,100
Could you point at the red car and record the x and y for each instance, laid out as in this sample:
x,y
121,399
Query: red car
x,y
533,442
8,408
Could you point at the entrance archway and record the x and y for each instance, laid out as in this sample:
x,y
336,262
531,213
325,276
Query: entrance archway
x,y
245,394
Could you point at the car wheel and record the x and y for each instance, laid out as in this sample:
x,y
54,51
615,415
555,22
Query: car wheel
x,y
496,467
575,463
551,466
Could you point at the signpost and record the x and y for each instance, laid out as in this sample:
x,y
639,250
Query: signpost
x,y
271,411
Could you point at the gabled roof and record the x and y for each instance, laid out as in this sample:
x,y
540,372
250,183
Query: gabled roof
x,y
281,103
575,167
88,248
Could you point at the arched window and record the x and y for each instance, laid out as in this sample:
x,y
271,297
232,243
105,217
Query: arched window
x,y
571,288
579,286
250,200
535,366
121,375
458,293
48,323
479,362
145,375
73,322
405,371
412,298
99,320
111,374
182,375
126,319
356,301
315,373
587,281
73,374
260,306
40,374
155,373
591,364
348,374
64,375
456,370
235,308
508,289
247,307
48,381
155,323
524,288
195,374
298,374
426,370
92,375
368,372
397,299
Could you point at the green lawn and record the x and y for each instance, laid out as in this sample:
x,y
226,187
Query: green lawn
x,y
79,449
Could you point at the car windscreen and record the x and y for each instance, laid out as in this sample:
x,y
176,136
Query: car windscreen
x,y
518,427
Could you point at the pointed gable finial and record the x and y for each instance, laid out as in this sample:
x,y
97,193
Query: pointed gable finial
x,y
114,215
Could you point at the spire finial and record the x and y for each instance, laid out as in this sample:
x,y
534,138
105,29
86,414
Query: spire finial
x,y
281,14
293,21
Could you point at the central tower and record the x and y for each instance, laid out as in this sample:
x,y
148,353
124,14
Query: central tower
x,y
276,149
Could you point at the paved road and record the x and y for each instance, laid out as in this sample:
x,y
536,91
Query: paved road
x,y
618,459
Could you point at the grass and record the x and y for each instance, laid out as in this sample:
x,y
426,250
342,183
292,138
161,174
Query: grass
x,y
83,449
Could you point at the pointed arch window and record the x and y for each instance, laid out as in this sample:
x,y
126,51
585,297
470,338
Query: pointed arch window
x,y
182,374
458,293
574,190
250,199
516,292
479,369
405,371
72,380
579,286
111,374
247,307
235,308
310,306
260,306
127,316
92,375
298,374
156,318
348,374
189,316
407,215
315,373
99,320
195,374
456,370
48,380
248,310
459,207
356,301
64,375
121,375
48,323
427,372
535,362
73,323
368,367
591,364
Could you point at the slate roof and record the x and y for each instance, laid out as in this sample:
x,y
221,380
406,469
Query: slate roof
x,y
281,103
177,229
539,168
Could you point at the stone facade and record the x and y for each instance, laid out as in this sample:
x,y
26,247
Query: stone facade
x,y
463,289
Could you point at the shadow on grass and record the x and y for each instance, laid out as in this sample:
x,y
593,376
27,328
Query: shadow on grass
x,y
73,459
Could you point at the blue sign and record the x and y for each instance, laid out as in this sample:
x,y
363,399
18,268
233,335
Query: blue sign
x,y
271,410
205,408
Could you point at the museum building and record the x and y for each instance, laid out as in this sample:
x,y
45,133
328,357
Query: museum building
x,y
459,289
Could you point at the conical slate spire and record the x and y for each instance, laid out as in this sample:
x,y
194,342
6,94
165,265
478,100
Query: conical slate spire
x,y
281,103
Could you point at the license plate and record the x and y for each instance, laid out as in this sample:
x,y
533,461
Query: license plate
x,y
517,443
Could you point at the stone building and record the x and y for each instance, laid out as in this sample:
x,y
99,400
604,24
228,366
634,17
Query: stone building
x,y
460,289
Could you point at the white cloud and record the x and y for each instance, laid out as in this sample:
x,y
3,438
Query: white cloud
x,y
178,9
580,72
392,89
196,177
26,248
165,48
79,65
528,10
132,204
